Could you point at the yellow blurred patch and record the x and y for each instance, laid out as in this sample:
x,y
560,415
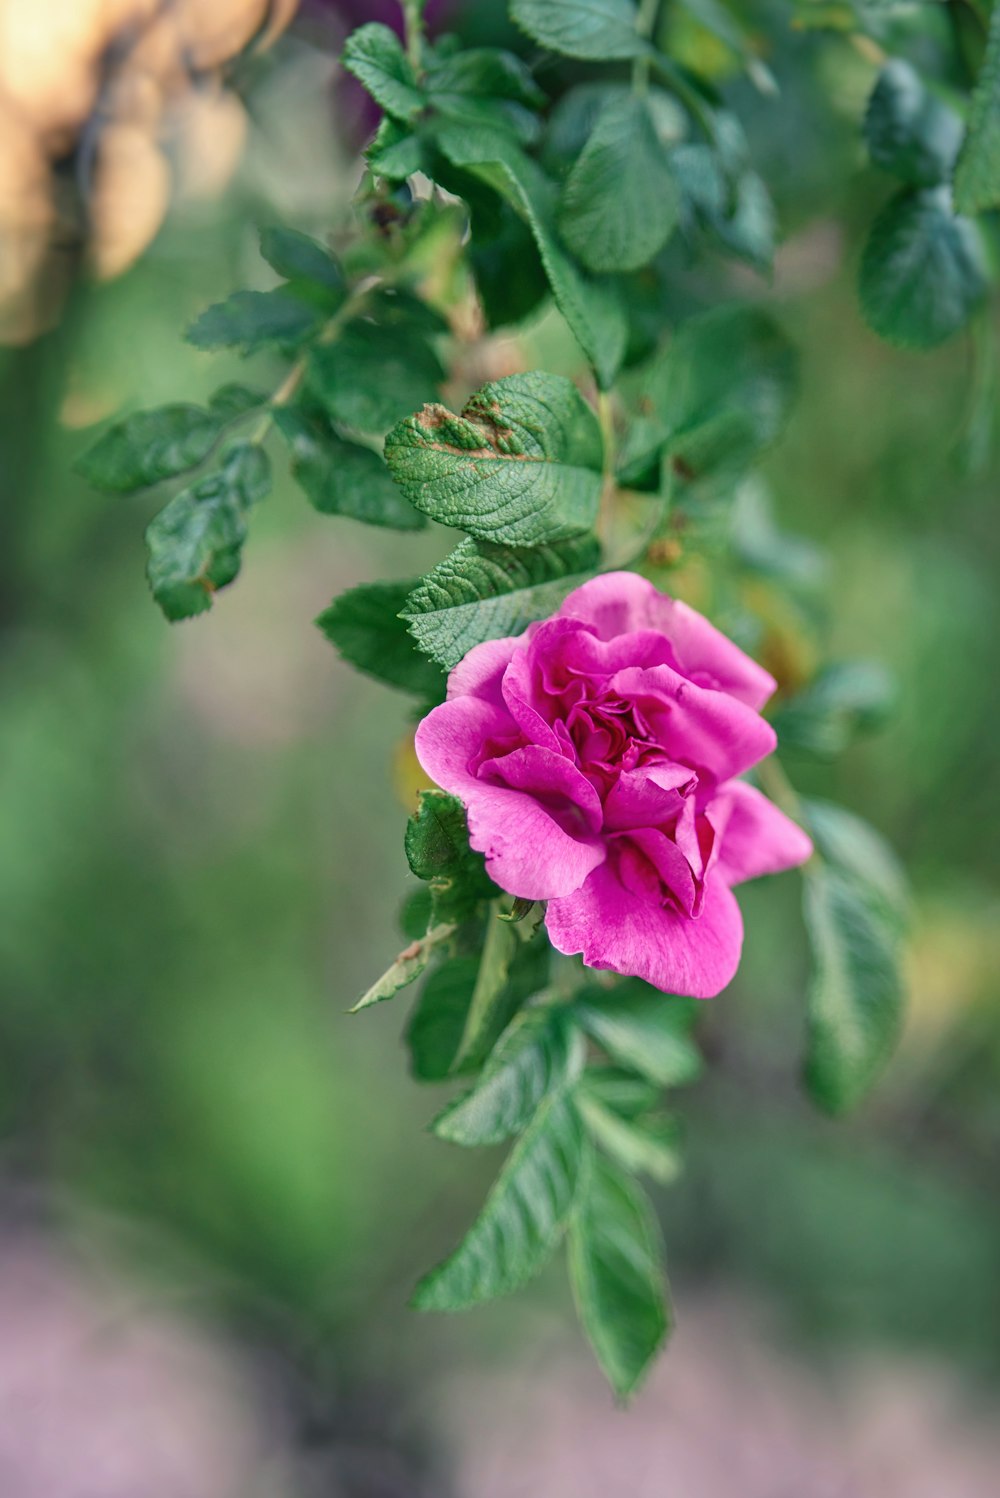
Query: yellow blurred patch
x,y
408,779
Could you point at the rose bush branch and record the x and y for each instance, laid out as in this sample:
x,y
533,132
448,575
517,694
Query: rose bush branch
x,y
605,658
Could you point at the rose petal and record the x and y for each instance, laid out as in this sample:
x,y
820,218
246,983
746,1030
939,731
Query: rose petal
x,y
527,852
756,838
709,730
615,930
480,671
621,603
647,797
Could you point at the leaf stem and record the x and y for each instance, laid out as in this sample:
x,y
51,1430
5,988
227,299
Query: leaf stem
x,y
645,25
329,333
605,416
685,91
414,31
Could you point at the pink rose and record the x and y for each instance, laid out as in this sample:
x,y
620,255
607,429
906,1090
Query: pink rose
x,y
597,757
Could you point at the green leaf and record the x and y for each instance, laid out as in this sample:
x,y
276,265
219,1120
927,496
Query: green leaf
x,y
506,298
437,849
434,1031
616,1271
597,30
538,1054
485,72
620,202
363,625
621,1091
483,592
374,375
845,699
749,228
725,387
648,1146
408,966
489,997
249,320
305,262
922,271
415,912
729,199
977,172
343,478
396,153
232,400
592,308
523,1219
855,999
375,56
908,131
642,1029
150,446
521,465
195,543
853,848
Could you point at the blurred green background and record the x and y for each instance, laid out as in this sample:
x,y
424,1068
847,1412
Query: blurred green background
x,y
200,864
